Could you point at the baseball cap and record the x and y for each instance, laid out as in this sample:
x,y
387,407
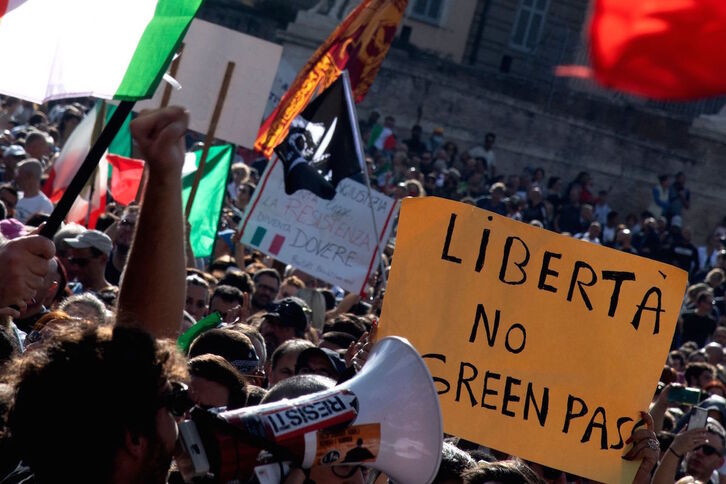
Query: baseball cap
x,y
92,238
336,361
677,221
291,312
14,150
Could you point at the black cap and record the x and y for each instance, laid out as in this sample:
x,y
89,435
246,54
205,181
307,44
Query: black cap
x,y
290,311
335,359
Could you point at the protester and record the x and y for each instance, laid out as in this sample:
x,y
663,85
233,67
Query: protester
x,y
29,173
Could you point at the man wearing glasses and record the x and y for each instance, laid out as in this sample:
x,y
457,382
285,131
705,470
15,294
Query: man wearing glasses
x,y
90,251
695,453
267,284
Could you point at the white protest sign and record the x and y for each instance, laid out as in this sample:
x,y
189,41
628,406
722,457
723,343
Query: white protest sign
x,y
332,240
207,50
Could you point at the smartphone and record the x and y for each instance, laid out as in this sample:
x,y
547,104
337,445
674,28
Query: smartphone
x,y
698,418
686,395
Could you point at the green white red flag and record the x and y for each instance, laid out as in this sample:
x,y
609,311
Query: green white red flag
x,y
110,49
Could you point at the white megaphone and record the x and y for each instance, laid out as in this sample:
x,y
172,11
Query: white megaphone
x,y
387,417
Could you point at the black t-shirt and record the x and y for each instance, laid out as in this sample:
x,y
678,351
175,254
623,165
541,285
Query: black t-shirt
x,y
697,328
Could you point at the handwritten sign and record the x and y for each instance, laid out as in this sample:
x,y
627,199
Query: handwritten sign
x,y
332,240
540,345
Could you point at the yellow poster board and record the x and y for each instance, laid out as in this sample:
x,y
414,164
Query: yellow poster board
x,y
540,345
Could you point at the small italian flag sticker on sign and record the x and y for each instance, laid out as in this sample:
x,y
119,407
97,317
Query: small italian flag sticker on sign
x,y
258,239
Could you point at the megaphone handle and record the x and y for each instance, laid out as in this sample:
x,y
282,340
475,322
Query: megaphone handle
x,y
372,475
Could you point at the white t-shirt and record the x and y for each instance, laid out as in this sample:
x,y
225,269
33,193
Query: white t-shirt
x,y
29,206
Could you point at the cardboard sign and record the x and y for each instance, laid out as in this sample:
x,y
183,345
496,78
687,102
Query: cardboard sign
x,y
540,345
332,240
207,49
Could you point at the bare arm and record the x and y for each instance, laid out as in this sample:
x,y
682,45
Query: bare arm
x,y
350,300
153,285
683,443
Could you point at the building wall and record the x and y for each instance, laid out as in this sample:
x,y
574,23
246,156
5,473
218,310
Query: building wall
x,y
447,39
557,43
628,160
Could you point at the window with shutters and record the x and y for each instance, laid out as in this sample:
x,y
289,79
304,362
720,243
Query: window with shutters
x,y
430,11
529,23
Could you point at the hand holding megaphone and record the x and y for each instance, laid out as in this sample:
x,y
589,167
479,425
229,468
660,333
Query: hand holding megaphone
x,y
387,417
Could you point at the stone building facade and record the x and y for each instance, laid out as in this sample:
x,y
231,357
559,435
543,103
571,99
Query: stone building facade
x,y
473,66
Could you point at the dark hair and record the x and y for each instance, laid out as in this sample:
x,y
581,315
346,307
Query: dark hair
x,y
227,294
9,187
552,182
297,386
237,278
454,462
703,296
506,472
104,221
36,219
338,338
8,345
91,375
217,369
222,263
329,298
695,369
346,323
229,344
289,346
267,272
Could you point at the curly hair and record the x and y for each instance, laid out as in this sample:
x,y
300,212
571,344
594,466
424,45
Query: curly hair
x,y
91,384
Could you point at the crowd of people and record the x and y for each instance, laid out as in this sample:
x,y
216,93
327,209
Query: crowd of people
x,y
90,347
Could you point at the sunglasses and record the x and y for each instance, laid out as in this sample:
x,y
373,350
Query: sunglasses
x,y
177,401
707,450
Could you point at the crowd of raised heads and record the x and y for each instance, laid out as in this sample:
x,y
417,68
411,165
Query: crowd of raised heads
x,y
90,347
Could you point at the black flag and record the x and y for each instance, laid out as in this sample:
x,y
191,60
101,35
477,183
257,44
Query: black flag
x,y
319,151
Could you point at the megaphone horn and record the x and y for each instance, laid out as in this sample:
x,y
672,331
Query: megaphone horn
x,y
387,417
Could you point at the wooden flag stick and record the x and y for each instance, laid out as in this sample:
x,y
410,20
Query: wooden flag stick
x,y
164,103
210,135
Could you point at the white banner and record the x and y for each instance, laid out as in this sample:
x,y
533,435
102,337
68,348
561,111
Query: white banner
x,y
332,240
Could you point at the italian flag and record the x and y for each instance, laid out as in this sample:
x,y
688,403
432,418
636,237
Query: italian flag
x,y
125,172
110,49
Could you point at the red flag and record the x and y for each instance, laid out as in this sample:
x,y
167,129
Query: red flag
x,y
359,44
661,49
125,178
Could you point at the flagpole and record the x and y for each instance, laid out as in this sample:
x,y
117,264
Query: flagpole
x,y
217,113
86,170
97,127
361,160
